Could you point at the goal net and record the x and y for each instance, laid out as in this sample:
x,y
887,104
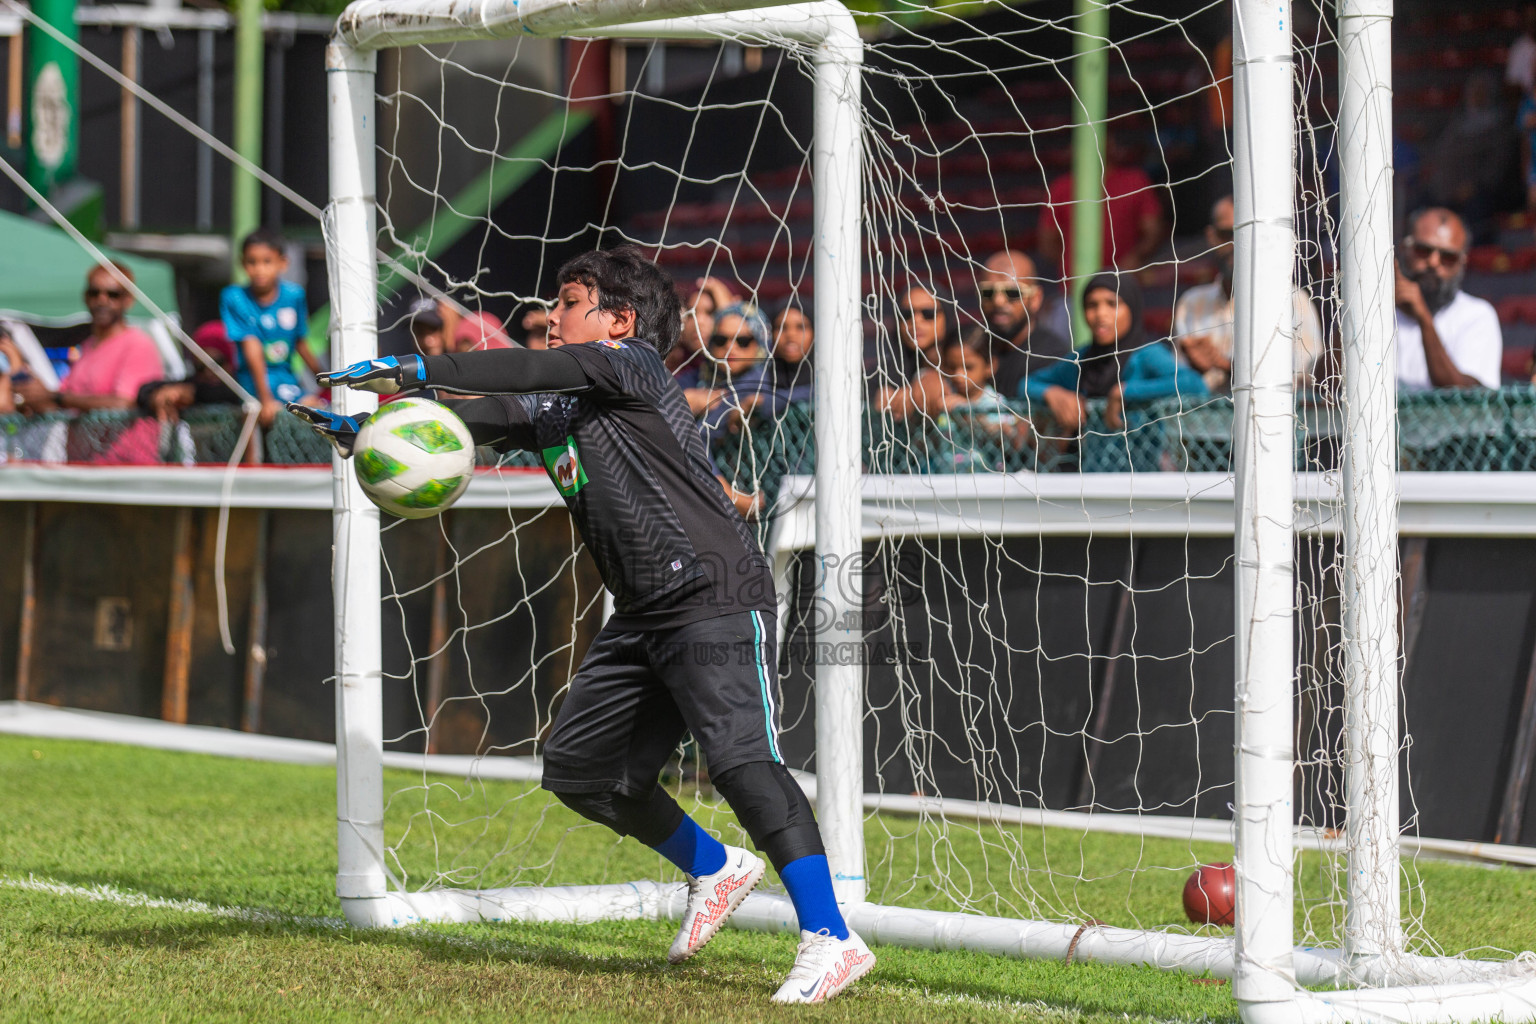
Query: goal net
x,y
1085,580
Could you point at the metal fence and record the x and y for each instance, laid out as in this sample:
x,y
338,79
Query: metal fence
x,y
1477,430
203,435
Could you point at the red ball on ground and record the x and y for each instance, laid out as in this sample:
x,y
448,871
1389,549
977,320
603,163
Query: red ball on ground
x,y
1210,895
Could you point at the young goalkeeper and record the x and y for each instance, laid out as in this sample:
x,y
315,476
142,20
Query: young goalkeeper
x,y
692,642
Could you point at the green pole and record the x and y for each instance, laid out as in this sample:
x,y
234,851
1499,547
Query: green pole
x,y
53,74
245,195
1090,81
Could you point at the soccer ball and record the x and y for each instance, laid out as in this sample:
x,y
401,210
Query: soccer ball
x,y
414,457
1210,895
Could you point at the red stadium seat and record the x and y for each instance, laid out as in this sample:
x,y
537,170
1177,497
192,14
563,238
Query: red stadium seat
x,y
1488,259
1517,309
1517,362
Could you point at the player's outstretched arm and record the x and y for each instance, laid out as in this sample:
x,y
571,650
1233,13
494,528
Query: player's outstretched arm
x,y
340,430
506,371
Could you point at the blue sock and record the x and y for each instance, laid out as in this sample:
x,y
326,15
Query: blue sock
x,y
810,889
692,849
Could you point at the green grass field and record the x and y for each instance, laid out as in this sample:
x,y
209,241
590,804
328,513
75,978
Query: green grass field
x,y
220,907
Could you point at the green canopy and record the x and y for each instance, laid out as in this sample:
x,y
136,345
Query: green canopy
x,y
42,275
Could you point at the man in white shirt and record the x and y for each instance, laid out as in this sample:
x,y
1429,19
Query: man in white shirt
x,y
1445,337
1203,318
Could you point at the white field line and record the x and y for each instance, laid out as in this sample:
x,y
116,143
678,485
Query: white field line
x,y
138,900
47,722
124,898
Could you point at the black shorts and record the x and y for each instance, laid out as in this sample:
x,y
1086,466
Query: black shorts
x,y
637,692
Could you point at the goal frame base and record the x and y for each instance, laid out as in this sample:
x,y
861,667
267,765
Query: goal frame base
x,y
915,928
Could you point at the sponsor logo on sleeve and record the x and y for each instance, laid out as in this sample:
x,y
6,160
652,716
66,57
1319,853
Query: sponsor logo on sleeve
x,y
563,463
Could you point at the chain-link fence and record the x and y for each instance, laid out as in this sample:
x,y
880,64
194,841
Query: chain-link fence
x,y
207,434
1469,430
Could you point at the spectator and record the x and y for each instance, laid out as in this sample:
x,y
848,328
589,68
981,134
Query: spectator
x,y
1203,317
1119,364
968,368
737,377
687,358
268,320
10,362
1520,67
164,399
436,328
978,409
115,361
738,347
535,324
474,330
1445,337
429,329
1133,216
1020,343
1470,156
792,369
913,382
443,326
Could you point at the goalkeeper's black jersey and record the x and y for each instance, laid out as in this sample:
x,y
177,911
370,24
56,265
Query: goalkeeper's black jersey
x,y
621,446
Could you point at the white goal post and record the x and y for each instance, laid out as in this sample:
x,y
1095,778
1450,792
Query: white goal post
x,y
352,226
1267,969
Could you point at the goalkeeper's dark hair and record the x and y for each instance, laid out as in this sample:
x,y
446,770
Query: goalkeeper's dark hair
x,y
624,279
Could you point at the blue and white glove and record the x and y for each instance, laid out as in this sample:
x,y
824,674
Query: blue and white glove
x,y
386,375
340,430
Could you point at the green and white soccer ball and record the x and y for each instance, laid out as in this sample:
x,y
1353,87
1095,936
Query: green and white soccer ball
x,y
414,457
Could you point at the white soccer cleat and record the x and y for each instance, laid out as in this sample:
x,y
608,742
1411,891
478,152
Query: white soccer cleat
x,y
824,966
713,898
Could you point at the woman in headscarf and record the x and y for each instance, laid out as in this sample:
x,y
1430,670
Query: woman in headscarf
x,y
738,376
1119,364
738,379
793,337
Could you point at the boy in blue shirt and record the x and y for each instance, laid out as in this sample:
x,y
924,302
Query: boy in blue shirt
x,y
268,320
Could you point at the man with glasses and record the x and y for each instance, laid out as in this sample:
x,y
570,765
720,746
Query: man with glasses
x,y
1020,343
115,360
1445,337
1203,316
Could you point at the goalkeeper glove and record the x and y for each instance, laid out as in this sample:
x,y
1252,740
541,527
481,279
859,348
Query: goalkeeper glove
x,y
386,375
340,430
